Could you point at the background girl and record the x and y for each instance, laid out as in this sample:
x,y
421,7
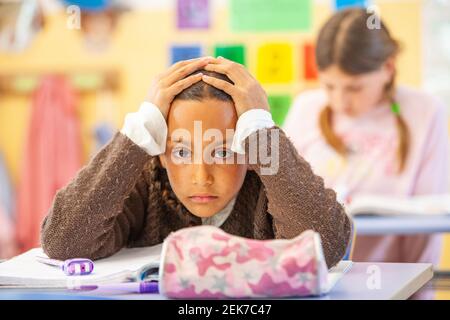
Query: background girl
x,y
365,135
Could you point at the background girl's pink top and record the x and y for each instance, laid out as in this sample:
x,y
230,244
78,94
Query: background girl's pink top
x,y
370,169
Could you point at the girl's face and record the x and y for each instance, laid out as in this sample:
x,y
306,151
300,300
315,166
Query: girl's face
x,y
197,150
354,95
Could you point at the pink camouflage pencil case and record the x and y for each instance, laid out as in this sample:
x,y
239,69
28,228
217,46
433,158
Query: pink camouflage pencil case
x,y
206,262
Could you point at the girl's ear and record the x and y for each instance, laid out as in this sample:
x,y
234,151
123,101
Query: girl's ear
x,y
162,159
389,66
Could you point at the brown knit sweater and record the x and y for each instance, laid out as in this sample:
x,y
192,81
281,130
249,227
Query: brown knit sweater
x,y
111,204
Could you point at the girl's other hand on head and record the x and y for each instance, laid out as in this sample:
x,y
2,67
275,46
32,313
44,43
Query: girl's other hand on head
x,y
247,92
168,84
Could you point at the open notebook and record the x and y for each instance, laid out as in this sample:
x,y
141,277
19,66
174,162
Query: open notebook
x,y
129,264
388,205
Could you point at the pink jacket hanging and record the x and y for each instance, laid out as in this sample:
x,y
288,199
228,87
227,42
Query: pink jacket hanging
x,y
52,155
7,244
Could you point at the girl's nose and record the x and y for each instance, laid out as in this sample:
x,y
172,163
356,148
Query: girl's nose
x,y
340,101
201,175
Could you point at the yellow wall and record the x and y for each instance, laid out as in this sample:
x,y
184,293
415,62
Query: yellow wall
x,y
140,49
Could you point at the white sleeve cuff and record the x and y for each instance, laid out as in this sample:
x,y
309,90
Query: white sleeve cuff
x,y
147,128
249,122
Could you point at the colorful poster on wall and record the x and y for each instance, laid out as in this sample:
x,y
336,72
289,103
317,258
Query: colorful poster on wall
x,y
180,52
270,15
344,4
234,53
275,63
309,62
193,14
279,107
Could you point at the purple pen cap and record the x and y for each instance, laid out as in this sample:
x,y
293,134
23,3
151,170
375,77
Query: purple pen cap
x,y
78,267
148,287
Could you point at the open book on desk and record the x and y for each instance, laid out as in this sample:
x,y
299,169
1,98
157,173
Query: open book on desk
x,y
388,205
129,264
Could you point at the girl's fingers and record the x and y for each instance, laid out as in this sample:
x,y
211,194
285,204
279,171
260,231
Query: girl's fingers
x,y
181,64
224,61
183,72
182,84
220,84
234,71
220,60
176,66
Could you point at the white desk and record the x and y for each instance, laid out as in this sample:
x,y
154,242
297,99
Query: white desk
x,y
397,281
382,225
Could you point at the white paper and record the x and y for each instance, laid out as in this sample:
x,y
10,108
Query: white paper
x,y
127,264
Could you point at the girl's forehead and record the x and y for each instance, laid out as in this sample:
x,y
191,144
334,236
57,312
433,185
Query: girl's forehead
x,y
207,114
335,73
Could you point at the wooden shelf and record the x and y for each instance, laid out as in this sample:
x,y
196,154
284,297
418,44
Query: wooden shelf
x,y
82,81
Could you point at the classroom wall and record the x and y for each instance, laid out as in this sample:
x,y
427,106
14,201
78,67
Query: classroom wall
x,y
140,49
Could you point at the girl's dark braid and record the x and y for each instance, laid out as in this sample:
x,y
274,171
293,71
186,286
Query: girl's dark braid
x,y
161,192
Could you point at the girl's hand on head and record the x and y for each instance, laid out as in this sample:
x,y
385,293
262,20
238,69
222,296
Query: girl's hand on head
x,y
174,80
246,92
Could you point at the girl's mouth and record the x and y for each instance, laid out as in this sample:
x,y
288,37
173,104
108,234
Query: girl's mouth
x,y
202,198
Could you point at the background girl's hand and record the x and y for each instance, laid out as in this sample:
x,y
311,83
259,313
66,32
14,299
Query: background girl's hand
x,y
171,82
246,92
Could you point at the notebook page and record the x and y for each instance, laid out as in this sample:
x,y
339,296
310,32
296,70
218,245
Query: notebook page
x,y
127,264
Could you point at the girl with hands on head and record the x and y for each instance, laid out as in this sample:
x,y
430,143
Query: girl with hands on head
x,y
148,181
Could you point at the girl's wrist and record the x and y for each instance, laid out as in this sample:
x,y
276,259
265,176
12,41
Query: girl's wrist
x,y
147,128
249,122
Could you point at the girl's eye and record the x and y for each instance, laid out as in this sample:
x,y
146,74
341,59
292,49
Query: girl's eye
x,y
354,89
329,87
222,153
183,153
